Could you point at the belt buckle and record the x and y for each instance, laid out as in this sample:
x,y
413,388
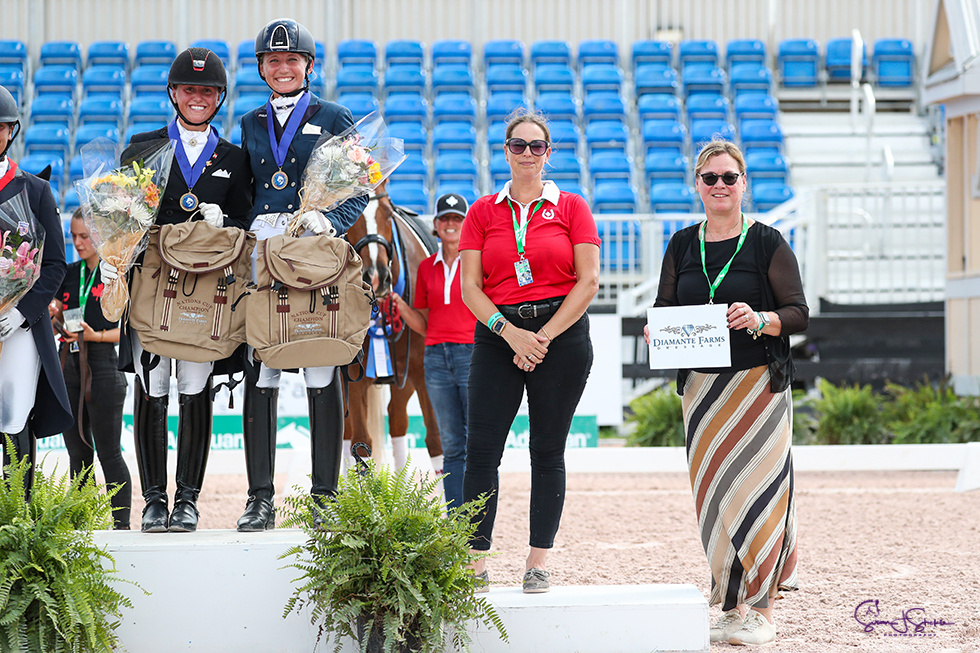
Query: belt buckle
x,y
531,309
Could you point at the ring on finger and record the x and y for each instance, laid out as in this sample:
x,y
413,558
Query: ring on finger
x,y
526,366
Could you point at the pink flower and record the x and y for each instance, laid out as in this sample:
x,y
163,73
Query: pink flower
x,y
4,266
357,155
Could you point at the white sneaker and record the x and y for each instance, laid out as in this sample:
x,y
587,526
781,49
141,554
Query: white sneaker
x,y
755,630
726,626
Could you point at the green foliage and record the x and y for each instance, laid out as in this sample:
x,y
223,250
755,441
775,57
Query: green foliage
x,y
659,419
804,419
849,415
930,413
387,552
55,591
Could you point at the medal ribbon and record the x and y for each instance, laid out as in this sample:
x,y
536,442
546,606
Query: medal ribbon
x,y
83,289
713,285
280,148
190,172
11,169
520,230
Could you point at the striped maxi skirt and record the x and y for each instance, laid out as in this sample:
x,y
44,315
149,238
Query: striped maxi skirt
x,y
738,437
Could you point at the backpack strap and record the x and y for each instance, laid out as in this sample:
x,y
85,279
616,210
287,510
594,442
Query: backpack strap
x,y
169,294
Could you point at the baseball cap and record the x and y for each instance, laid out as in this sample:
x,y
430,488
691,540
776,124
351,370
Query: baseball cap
x,y
451,203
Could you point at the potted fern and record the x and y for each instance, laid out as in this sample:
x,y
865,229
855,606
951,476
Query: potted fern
x,y
56,586
388,568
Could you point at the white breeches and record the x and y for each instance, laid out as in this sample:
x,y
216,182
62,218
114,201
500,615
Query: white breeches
x,y
20,369
191,377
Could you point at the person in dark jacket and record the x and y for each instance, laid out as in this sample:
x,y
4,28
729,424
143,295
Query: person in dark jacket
x,y
210,177
33,400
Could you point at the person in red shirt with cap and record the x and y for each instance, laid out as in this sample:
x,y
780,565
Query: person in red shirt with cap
x,y
447,324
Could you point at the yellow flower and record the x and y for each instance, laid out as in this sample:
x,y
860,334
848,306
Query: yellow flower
x,y
374,173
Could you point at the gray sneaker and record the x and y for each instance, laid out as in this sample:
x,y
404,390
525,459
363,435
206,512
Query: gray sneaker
x,y
756,630
536,581
482,582
725,627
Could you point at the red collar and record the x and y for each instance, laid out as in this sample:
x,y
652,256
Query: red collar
x,y
11,169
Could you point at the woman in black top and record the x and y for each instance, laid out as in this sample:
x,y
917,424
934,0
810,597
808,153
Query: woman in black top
x,y
96,396
739,420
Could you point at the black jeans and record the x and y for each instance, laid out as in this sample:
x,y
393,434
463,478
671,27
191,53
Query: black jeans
x,y
496,386
102,421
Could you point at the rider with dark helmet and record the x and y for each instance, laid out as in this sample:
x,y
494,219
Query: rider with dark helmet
x,y
209,177
279,139
33,400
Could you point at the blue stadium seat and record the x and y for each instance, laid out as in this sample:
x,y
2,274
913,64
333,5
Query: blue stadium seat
x,y
53,109
36,163
664,135
404,52
571,187
750,78
357,79
155,53
12,79
499,170
61,53
47,139
658,106
564,165
88,133
453,136
248,80
463,188
766,167
453,107
704,131
504,51
405,79
655,78
565,135
149,79
55,79
606,135
664,166
219,47
414,135
104,80
597,52
603,107
357,51
100,109
76,169
557,106
452,78
551,52
614,197
452,51
672,197
68,207
554,78
893,62
768,196
245,54
506,78
413,168
402,107
744,51
605,78
610,165
150,108
837,60
699,51
652,52
411,195
139,128
245,103
755,107
360,104
456,166
501,105
108,53
496,133
318,80
761,135
235,138
707,107
320,50
13,54
799,62
620,244
698,78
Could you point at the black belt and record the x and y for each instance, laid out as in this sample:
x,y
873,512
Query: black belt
x,y
532,310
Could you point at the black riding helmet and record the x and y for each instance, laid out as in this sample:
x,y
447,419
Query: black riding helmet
x,y
9,114
198,67
286,35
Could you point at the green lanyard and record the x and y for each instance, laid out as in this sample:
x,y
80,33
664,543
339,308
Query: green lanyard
x,y
520,230
713,285
84,290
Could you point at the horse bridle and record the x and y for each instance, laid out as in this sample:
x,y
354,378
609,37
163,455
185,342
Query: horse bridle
x,y
376,238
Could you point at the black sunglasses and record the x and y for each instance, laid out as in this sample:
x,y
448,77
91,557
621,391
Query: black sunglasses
x,y
710,178
518,145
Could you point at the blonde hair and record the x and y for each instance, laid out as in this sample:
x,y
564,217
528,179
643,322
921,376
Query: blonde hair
x,y
523,115
718,147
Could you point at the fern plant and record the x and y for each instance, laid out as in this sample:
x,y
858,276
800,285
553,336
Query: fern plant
x,y
387,555
56,591
849,415
659,419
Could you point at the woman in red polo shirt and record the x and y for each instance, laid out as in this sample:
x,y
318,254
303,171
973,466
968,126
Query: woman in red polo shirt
x,y
447,324
530,260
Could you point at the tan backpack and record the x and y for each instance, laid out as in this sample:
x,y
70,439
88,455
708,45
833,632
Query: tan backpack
x,y
311,307
186,296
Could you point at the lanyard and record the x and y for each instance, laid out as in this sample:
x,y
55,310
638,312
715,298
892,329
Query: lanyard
x,y
11,169
279,148
83,289
192,173
713,285
520,230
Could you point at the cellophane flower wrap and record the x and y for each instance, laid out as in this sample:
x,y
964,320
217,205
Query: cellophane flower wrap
x,y
21,250
119,206
351,163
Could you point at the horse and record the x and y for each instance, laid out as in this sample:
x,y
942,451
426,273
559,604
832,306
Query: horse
x,y
391,242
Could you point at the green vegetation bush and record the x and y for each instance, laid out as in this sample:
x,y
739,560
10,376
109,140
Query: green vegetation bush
x,y
659,419
848,415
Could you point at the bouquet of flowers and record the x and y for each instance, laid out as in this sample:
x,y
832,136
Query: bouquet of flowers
x,y
120,206
21,249
351,163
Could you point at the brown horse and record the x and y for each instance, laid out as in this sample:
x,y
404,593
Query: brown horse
x,y
385,264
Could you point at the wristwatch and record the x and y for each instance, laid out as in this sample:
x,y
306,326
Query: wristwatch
x,y
498,326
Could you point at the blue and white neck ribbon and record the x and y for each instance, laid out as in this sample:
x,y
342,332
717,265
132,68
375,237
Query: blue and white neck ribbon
x,y
280,148
379,356
190,172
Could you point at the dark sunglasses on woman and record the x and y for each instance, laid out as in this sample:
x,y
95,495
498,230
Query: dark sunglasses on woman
x,y
518,145
450,217
710,178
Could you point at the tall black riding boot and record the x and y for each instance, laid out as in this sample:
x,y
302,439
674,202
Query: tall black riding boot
x,y
150,438
326,438
259,430
25,445
193,446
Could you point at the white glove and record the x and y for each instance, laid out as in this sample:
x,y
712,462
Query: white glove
x,y
109,272
9,321
212,214
317,223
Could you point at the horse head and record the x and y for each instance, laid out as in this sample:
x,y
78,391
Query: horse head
x,y
373,240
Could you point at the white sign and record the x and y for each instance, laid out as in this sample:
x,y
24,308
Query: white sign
x,y
689,337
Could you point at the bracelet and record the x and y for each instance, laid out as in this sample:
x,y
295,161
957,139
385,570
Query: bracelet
x,y
494,318
546,334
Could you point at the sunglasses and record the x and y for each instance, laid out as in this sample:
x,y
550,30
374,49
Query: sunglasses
x,y
710,178
449,217
518,145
